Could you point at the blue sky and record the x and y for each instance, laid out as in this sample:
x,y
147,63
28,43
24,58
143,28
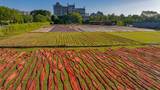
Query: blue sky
x,y
107,6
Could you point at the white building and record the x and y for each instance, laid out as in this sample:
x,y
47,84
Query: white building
x,y
61,10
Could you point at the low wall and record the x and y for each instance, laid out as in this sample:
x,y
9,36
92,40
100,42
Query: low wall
x,y
153,25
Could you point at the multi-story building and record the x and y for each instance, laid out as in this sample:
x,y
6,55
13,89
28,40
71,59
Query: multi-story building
x,y
61,10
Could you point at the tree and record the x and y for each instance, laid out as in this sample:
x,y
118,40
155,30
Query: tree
x,y
27,18
75,18
99,13
17,16
45,13
42,12
55,19
150,16
72,18
40,18
5,14
8,15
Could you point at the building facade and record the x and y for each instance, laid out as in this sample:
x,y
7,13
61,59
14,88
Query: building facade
x,y
60,10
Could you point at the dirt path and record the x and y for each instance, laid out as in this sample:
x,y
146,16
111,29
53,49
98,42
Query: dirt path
x,y
45,29
100,28
89,28
64,28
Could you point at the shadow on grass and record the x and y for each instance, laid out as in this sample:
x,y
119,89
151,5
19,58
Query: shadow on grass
x,y
65,46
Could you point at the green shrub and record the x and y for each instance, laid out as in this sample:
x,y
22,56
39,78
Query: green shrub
x,y
120,23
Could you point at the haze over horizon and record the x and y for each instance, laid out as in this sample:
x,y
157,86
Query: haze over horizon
x,y
126,7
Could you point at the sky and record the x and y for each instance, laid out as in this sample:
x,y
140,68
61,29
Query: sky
x,y
118,7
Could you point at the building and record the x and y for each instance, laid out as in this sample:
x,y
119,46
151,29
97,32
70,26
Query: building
x,y
61,10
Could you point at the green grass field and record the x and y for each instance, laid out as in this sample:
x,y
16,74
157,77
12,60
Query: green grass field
x,y
82,39
145,37
69,39
16,29
25,38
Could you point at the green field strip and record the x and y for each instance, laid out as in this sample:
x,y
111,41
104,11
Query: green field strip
x,y
9,64
60,85
25,80
45,83
115,81
141,66
50,86
85,66
67,83
125,67
19,76
133,80
52,72
91,68
99,72
144,37
15,79
2,74
87,81
7,74
98,67
10,83
37,78
35,73
80,80
67,39
127,76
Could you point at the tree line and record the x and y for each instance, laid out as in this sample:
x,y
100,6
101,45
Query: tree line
x,y
72,18
110,19
146,16
11,16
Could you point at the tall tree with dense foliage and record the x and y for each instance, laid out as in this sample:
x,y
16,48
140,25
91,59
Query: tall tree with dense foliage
x,y
76,18
72,18
8,16
40,18
42,12
27,18
5,14
46,15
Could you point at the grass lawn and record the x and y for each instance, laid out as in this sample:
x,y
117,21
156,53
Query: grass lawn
x,y
81,40
16,29
145,37
71,39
